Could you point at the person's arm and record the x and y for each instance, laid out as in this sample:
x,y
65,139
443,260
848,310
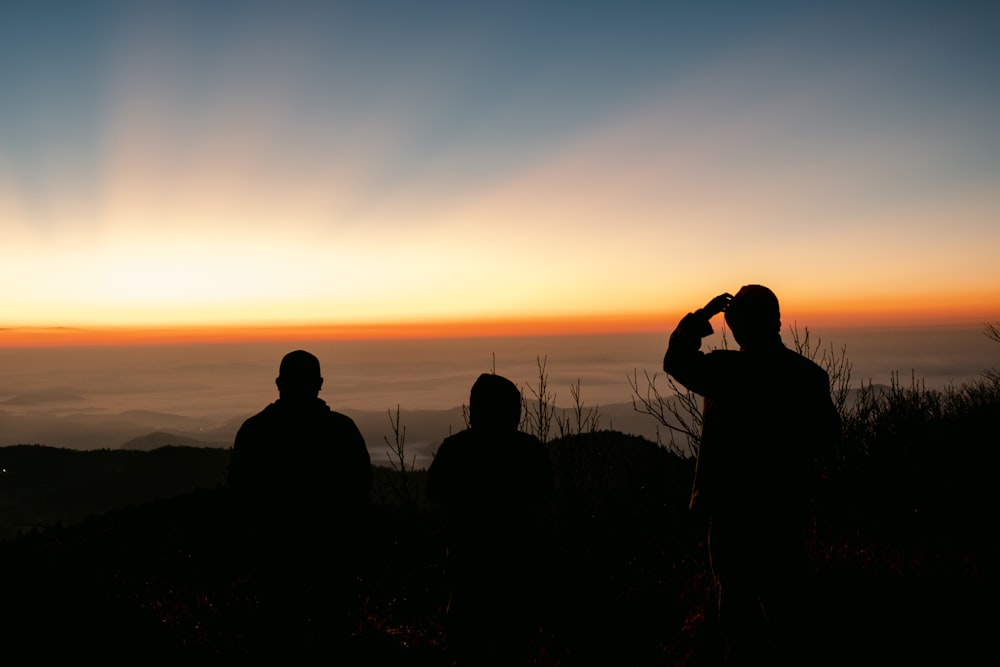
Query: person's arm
x,y
238,463
439,475
362,461
828,427
827,424
684,358
244,482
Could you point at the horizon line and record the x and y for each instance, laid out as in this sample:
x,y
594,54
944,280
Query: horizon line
x,y
583,325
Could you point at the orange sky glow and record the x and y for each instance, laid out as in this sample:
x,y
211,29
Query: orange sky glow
x,y
966,313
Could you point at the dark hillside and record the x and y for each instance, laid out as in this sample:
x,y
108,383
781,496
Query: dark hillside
x,y
157,575
44,486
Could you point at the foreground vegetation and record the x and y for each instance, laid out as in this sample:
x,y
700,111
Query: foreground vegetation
x,y
903,547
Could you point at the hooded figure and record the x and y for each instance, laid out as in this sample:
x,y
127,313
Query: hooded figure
x,y
493,482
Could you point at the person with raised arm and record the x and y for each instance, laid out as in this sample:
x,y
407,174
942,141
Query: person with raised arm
x,y
768,424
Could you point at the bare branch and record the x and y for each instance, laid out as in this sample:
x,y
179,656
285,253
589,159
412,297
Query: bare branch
x,y
992,331
538,414
581,419
396,455
680,413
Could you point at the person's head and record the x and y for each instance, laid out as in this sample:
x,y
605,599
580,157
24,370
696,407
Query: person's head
x,y
495,403
299,376
753,316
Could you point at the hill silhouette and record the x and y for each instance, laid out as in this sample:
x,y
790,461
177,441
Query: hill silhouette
x,y
42,487
119,554
146,443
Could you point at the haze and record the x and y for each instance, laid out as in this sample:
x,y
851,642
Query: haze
x,y
91,397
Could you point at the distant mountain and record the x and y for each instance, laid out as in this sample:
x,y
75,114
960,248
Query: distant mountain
x,y
47,396
147,429
101,430
142,418
159,439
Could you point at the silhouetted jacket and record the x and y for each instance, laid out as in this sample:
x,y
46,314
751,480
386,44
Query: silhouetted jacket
x,y
768,422
295,464
493,484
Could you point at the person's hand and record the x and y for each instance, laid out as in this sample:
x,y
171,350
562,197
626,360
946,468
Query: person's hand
x,y
717,305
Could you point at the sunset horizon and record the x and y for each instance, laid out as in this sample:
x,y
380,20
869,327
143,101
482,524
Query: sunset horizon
x,y
570,325
189,173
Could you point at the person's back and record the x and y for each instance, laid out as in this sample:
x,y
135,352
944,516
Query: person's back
x,y
491,484
297,462
763,428
301,476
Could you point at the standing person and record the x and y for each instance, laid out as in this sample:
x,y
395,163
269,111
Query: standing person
x,y
768,422
301,478
493,482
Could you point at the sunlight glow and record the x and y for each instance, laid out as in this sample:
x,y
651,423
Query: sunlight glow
x,y
265,172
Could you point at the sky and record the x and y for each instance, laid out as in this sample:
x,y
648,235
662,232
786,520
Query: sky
x,y
389,167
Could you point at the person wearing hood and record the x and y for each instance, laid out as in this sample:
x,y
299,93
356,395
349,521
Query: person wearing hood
x,y
493,483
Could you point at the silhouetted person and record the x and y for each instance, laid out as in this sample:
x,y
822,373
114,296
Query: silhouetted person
x,y
493,481
768,422
301,476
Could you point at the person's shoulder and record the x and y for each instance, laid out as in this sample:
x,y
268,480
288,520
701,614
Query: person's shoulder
x,y
457,439
804,364
339,417
256,429
451,449
527,439
261,417
529,445
339,422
